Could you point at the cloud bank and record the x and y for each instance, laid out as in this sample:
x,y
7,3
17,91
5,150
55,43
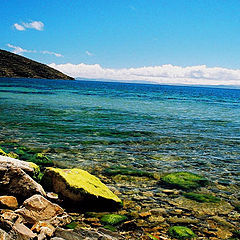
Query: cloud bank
x,y
37,25
20,51
164,74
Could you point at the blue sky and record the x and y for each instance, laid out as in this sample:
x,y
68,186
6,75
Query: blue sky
x,y
117,34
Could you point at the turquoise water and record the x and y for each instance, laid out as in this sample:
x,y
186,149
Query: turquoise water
x,y
153,127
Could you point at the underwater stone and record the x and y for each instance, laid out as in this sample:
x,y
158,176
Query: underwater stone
x,y
41,159
180,232
127,171
113,219
202,197
184,180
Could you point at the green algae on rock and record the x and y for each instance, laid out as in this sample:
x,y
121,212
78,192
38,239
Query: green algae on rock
x,y
2,153
12,155
71,225
41,159
77,185
181,232
184,180
199,197
113,219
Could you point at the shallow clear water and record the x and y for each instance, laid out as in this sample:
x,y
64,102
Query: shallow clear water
x,y
159,128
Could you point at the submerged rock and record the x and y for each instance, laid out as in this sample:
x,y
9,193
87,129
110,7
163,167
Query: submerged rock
x,y
16,182
205,208
77,185
199,197
42,160
113,219
184,180
127,171
180,232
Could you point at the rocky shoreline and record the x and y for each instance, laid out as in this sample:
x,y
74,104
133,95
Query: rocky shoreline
x,y
42,201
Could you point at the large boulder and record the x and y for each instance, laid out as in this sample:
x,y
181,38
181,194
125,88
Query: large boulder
x,y
77,185
37,208
28,167
16,182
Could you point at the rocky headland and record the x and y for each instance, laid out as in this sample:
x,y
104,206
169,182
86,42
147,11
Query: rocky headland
x,y
16,66
40,200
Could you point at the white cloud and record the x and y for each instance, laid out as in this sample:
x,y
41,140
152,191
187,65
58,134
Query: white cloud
x,y
18,50
89,53
34,24
52,53
37,25
19,27
166,74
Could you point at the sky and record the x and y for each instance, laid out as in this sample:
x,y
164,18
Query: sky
x,y
159,41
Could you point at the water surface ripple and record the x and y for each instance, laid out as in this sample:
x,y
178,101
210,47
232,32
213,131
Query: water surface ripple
x,y
159,128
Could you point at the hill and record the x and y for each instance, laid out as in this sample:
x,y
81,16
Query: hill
x,y
16,66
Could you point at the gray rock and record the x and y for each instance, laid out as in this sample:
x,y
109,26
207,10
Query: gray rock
x,y
87,234
27,167
15,181
23,232
57,238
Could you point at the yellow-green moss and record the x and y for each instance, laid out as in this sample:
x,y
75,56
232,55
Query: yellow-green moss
x,y
34,166
2,153
113,219
12,155
181,232
80,179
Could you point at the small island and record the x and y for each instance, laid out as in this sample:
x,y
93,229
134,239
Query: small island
x,y
15,66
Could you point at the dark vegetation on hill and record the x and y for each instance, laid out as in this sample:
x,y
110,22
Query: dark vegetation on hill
x,y
15,66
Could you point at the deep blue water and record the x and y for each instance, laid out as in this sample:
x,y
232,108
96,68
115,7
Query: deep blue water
x,y
155,127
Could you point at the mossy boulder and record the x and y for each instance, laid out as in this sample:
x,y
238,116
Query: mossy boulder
x,y
181,232
184,180
76,185
202,197
127,171
113,219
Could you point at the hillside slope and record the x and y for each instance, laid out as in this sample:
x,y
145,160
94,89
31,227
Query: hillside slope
x,y
15,66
